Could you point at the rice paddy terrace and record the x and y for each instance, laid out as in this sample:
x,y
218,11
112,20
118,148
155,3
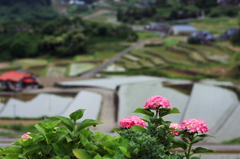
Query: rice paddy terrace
x,y
181,60
174,60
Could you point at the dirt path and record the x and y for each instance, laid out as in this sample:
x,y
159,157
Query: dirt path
x,y
4,65
230,46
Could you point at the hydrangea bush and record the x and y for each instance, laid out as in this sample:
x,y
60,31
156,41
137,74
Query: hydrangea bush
x,y
169,135
149,137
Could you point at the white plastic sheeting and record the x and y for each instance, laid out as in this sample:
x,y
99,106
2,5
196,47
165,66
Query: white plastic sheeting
x,y
42,105
133,96
214,105
85,100
111,83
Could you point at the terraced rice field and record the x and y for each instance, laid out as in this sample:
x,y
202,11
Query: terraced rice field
x,y
185,60
55,71
144,55
216,26
169,56
130,64
37,70
78,68
29,62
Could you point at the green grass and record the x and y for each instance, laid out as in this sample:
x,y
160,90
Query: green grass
x,y
171,57
17,134
130,64
37,70
29,62
193,55
43,73
147,35
233,141
20,128
83,58
78,68
215,25
210,53
170,42
108,49
142,53
55,71
146,62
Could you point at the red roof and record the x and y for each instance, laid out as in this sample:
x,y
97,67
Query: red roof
x,y
14,76
28,80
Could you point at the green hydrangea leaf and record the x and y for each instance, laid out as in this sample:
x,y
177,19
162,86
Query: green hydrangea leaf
x,y
78,114
86,123
144,111
81,154
65,121
202,150
138,128
10,150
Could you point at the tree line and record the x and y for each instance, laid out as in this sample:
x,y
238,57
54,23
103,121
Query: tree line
x,y
26,10
163,10
61,37
29,2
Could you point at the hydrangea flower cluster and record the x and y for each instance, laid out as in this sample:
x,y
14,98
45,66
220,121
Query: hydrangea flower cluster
x,y
195,125
130,121
26,136
157,101
175,126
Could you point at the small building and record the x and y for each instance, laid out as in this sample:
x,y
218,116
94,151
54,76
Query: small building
x,y
17,80
182,30
76,2
201,37
157,26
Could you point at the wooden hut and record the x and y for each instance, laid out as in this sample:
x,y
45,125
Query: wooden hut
x,y
17,81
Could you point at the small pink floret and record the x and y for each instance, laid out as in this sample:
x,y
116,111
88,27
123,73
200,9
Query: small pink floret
x,y
26,136
195,125
175,126
130,121
157,101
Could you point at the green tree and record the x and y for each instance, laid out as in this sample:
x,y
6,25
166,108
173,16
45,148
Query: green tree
x,y
205,4
161,3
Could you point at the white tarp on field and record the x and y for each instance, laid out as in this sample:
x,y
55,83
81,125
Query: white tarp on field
x,y
133,96
111,83
229,128
214,105
42,105
53,105
85,100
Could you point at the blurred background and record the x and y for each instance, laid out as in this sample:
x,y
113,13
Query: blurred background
x,y
110,56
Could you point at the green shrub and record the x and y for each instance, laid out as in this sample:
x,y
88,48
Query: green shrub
x,y
194,41
235,39
60,137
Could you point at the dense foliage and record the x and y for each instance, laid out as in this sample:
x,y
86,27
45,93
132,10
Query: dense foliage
x,y
26,10
30,2
60,37
161,10
65,138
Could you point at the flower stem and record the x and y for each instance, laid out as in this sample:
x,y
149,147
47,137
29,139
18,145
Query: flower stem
x,y
189,151
190,146
157,113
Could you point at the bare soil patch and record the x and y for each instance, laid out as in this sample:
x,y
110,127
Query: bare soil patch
x,y
4,65
216,70
22,122
227,44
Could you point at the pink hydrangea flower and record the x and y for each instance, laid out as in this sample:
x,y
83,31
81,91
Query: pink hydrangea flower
x,y
26,136
130,121
195,125
157,101
175,126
